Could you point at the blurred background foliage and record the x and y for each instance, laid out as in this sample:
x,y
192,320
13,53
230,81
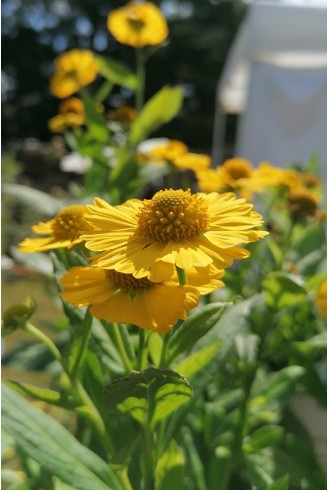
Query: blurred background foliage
x,y
34,32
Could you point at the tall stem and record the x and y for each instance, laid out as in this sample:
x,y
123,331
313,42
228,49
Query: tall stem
x,y
85,334
121,348
140,92
182,276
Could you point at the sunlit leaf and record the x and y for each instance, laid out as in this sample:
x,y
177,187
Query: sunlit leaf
x,y
196,361
282,289
194,328
265,436
116,72
158,110
149,395
170,468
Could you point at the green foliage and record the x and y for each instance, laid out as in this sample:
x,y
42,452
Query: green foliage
x,y
149,396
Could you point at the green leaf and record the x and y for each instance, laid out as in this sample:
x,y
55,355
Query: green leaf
x,y
116,72
49,396
158,110
266,436
96,121
281,484
53,447
41,201
195,327
148,395
196,361
277,386
282,290
169,473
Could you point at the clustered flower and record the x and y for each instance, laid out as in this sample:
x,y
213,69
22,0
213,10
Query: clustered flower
x,y
154,257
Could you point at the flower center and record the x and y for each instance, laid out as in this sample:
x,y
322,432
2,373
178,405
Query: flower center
x,y
173,215
69,223
135,22
238,170
127,281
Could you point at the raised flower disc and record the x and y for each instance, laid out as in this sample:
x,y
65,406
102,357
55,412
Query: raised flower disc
x,y
174,228
62,231
117,297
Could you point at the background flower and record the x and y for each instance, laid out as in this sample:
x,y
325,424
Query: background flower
x,y
138,25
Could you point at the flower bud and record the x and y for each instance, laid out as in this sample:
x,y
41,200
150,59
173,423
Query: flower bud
x,y
17,315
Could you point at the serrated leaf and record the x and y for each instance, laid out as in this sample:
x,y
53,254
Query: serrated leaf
x,y
116,72
282,290
158,110
194,328
169,473
196,361
55,449
149,395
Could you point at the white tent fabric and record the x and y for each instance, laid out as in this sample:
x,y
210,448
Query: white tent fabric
x,y
275,77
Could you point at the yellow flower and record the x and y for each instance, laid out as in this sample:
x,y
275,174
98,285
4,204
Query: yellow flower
x,y
192,161
168,151
138,25
71,113
302,202
175,228
267,175
122,298
73,70
62,231
234,174
321,298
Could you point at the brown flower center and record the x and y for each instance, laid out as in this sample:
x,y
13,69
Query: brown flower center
x,y
69,223
173,215
238,169
127,281
135,22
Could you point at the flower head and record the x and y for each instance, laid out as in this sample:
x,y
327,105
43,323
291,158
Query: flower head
x,y
321,298
124,115
62,231
175,228
138,25
73,70
302,202
122,298
71,113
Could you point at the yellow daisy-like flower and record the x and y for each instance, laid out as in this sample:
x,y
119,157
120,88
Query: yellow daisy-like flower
x,y
168,151
122,298
192,161
73,70
138,25
234,174
175,228
62,231
302,202
267,175
71,114
321,298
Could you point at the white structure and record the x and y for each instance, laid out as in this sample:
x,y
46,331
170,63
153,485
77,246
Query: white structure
x,y
275,78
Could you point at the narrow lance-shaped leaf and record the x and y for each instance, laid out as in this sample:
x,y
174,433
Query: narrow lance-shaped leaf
x,y
169,473
194,328
55,449
149,395
158,110
117,73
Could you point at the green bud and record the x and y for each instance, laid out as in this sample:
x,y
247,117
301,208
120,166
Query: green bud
x,y
16,316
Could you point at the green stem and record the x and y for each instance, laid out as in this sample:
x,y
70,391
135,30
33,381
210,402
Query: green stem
x,y
162,360
77,388
142,351
140,92
121,348
85,334
148,467
182,276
